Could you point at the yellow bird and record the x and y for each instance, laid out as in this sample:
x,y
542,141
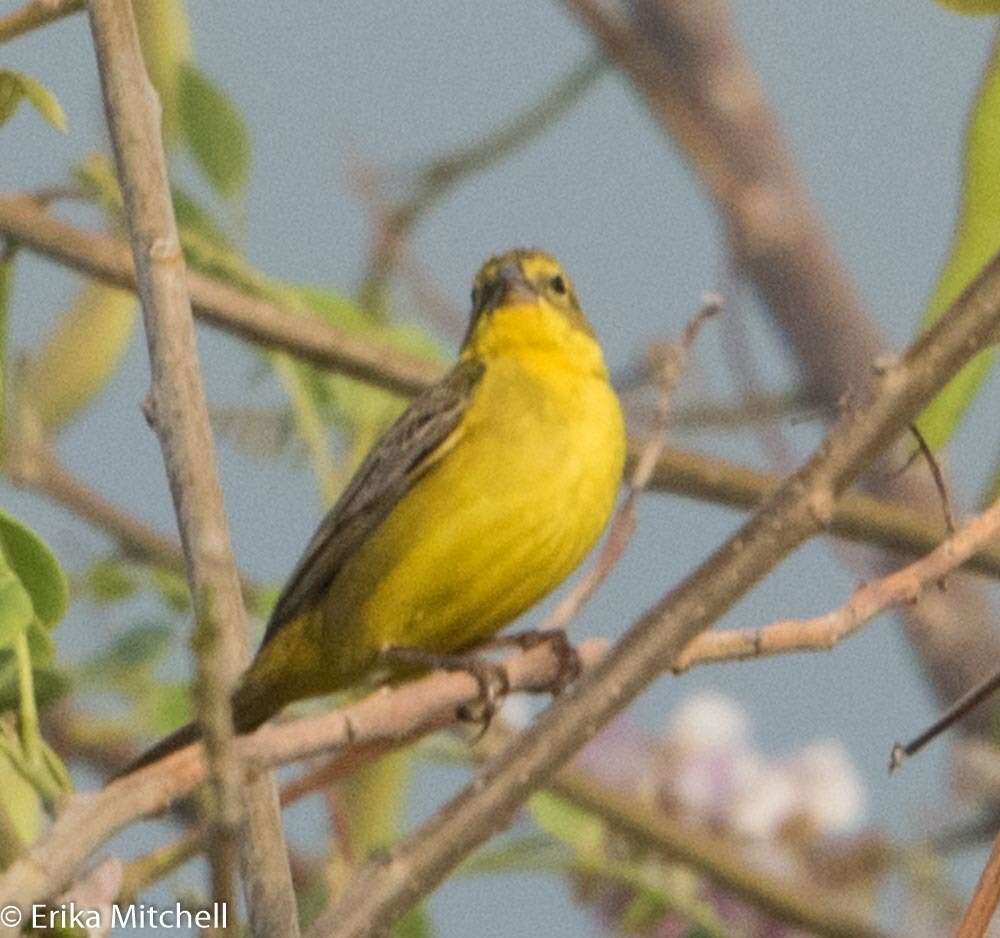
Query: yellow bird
x,y
484,495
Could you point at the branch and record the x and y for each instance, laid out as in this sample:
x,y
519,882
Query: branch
x,y
380,892
984,901
823,632
686,61
180,417
36,13
857,517
444,173
218,304
387,717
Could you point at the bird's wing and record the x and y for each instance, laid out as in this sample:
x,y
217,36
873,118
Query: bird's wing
x,y
400,457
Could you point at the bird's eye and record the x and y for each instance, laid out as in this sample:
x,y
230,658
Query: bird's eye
x,y
558,285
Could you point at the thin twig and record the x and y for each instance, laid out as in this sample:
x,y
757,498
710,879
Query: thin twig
x,y
960,708
219,304
936,474
182,424
688,64
984,900
672,360
380,892
859,517
442,174
36,13
388,716
822,633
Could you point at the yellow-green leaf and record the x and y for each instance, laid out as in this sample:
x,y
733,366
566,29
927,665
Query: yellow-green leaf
x,y
36,568
16,87
81,354
977,239
165,37
215,131
972,7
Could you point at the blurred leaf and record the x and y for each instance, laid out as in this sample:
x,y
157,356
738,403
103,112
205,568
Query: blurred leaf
x,y
973,7
192,218
535,853
81,354
129,660
95,175
16,610
567,823
166,707
51,683
21,801
993,488
215,131
37,569
977,239
172,589
416,923
165,37
110,580
16,87
374,801
647,907
6,280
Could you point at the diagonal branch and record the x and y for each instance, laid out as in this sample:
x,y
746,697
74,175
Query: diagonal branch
x,y
381,892
246,818
223,306
36,13
384,719
686,61
821,633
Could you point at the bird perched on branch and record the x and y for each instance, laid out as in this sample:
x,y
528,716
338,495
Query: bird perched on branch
x,y
481,498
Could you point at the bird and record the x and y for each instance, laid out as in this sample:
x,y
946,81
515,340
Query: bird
x,y
484,495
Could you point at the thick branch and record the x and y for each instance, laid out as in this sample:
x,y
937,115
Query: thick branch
x,y
180,417
218,304
803,505
390,716
821,633
687,63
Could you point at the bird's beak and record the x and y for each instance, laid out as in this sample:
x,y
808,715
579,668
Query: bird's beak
x,y
513,287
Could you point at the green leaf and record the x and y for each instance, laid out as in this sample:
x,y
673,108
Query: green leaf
x,y
534,853
16,87
567,823
166,707
416,923
21,801
51,683
37,569
972,7
110,580
976,241
16,611
215,132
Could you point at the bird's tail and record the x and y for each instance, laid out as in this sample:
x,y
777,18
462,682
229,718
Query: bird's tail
x,y
252,706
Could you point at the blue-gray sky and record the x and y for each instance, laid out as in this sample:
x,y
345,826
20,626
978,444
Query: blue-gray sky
x,y
873,98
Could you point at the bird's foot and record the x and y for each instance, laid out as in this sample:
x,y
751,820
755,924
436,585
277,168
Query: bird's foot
x,y
567,657
491,678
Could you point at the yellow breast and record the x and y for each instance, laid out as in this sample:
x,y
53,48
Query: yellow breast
x,y
522,494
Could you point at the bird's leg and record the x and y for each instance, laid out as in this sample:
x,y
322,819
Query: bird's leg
x,y
566,655
491,677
